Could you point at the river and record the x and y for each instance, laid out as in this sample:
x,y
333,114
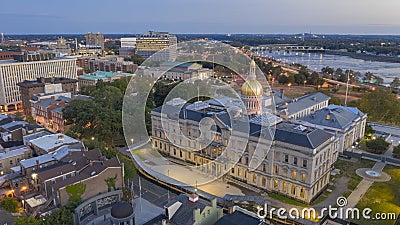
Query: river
x,y
316,61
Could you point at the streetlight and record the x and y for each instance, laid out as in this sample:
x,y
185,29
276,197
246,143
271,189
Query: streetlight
x,y
92,138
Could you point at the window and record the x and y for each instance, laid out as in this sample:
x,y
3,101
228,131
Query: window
x,y
180,154
1,165
303,177
276,184
294,174
174,151
302,193
295,161
233,170
284,187
264,167
246,174
285,170
293,190
11,162
263,181
304,163
240,172
276,169
254,178
286,158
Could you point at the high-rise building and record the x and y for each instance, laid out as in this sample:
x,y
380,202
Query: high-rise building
x,y
14,72
1,37
95,40
151,42
128,47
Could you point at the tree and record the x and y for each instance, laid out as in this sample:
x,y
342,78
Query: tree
x,y
379,80
111,182
137,59
381,106
395,83
299,78
369,131
283,79
396,151
377,146
62,216
126,194
75,191
327,72
9,204
23,220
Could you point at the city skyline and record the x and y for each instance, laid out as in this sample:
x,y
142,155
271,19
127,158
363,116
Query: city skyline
x,y
178,16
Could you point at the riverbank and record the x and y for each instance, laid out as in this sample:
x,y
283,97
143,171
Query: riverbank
x,y
375,58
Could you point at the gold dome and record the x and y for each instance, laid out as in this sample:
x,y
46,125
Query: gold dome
x,y
252,88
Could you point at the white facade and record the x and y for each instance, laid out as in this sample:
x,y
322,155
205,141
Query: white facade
x,y
128,42
12,73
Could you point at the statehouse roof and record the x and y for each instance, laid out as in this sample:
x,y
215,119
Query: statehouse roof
x,y
299,135
339,117
306,101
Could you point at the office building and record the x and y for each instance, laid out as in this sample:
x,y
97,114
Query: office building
x,y
128,42
151,42
111,64
95,40
2,39
128,47
176,71
92,78
43,88
12,73
6,55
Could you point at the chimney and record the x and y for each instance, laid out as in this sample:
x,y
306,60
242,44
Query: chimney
x,y
196,214
164,222
214,203
282,93
193,198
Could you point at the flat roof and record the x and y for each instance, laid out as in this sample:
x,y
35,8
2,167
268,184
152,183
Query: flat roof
x,y
102,75
51,141
36,201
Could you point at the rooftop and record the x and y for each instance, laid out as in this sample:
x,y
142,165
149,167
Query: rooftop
x,y
339,117
102,75
12,152
52,141
40,82
304,102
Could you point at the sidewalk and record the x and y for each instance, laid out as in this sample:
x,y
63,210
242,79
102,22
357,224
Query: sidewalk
x,y
364,185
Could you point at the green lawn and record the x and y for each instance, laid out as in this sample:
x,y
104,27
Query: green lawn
x,y
348,169
383,197
287,200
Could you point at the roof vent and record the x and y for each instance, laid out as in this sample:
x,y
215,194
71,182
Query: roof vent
x,y
93,173
300,128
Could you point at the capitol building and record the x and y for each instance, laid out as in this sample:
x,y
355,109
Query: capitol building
x,y
279,155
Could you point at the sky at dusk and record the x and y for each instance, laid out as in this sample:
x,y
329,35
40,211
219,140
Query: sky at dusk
x,y
206,16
